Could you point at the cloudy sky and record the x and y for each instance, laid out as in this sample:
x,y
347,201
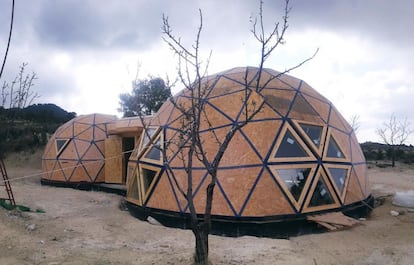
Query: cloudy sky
x,y
85,52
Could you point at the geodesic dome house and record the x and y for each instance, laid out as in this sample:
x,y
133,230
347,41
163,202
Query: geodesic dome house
x,y
297,157
75,154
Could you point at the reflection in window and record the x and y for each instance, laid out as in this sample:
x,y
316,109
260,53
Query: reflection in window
x,y
333,150
289,147
339,176
294,179
321,195
154,153
147,136
147,178
314,133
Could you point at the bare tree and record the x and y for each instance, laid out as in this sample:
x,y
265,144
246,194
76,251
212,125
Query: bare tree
x,y
8,40
394,133
19,94
191,105
354,122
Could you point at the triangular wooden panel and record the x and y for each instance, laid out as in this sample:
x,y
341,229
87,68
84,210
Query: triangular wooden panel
x,y
362,176
230,105
308,90
353,193
99,134
321,195
313,133
321,107
94,170
81,147
302,110
162,197
220,204
254,132
279,99
83,131
66,132
58,174
79,175
87,119
69,153
266,113
61,145
212,118
67,167
336,121
93,153
266,199
47,167
241,153
294,180
224,86
237,184
289,147
357,154
339,175
86,135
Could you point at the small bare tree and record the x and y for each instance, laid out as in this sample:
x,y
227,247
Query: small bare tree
x,y
394,133
191,105
354,122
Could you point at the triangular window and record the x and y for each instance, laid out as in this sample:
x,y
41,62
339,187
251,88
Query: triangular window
x,y
147,135
147,176
289,147
133,188
60,145
339,175
321,195
333,149
314,133
154,152
294,180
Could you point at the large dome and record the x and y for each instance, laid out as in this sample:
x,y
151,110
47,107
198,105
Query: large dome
x,y
296,157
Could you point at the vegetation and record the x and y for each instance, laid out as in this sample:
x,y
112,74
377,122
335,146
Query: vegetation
x,y
383,154
147,96
30,127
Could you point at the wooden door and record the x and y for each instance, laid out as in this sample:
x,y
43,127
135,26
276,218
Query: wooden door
x,y
114,160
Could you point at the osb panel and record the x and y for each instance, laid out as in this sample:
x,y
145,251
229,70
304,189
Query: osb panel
x,y
302,110
50,149
93,168
81,147
88,119
98,134
362,175
93,153
86,135
79,174
239,152
321,107
212,118
225,86
57,175
162,196
353,193
65,133
100,177
343,142
80,128
237,184
69,152
113,164
338,122
308,90
261,134
266,112
67,168
280,100
357,154
230,105
267,199
279,83
102,118
47,167
220,205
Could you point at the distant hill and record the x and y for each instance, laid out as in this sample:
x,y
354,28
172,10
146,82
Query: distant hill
x,y
23,129
377,151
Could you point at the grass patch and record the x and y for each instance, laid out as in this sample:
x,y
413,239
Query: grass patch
x,y
8,206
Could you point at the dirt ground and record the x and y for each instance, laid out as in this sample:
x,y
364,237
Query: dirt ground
x,y
87,227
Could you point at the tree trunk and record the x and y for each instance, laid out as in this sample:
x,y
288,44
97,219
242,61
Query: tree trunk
x,y
201,248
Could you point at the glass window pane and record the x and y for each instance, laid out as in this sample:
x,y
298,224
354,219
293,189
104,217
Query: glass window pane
x,y
314,133
154,153
294,179
333,150
147,177
60,144
289,147
339,176
321,195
